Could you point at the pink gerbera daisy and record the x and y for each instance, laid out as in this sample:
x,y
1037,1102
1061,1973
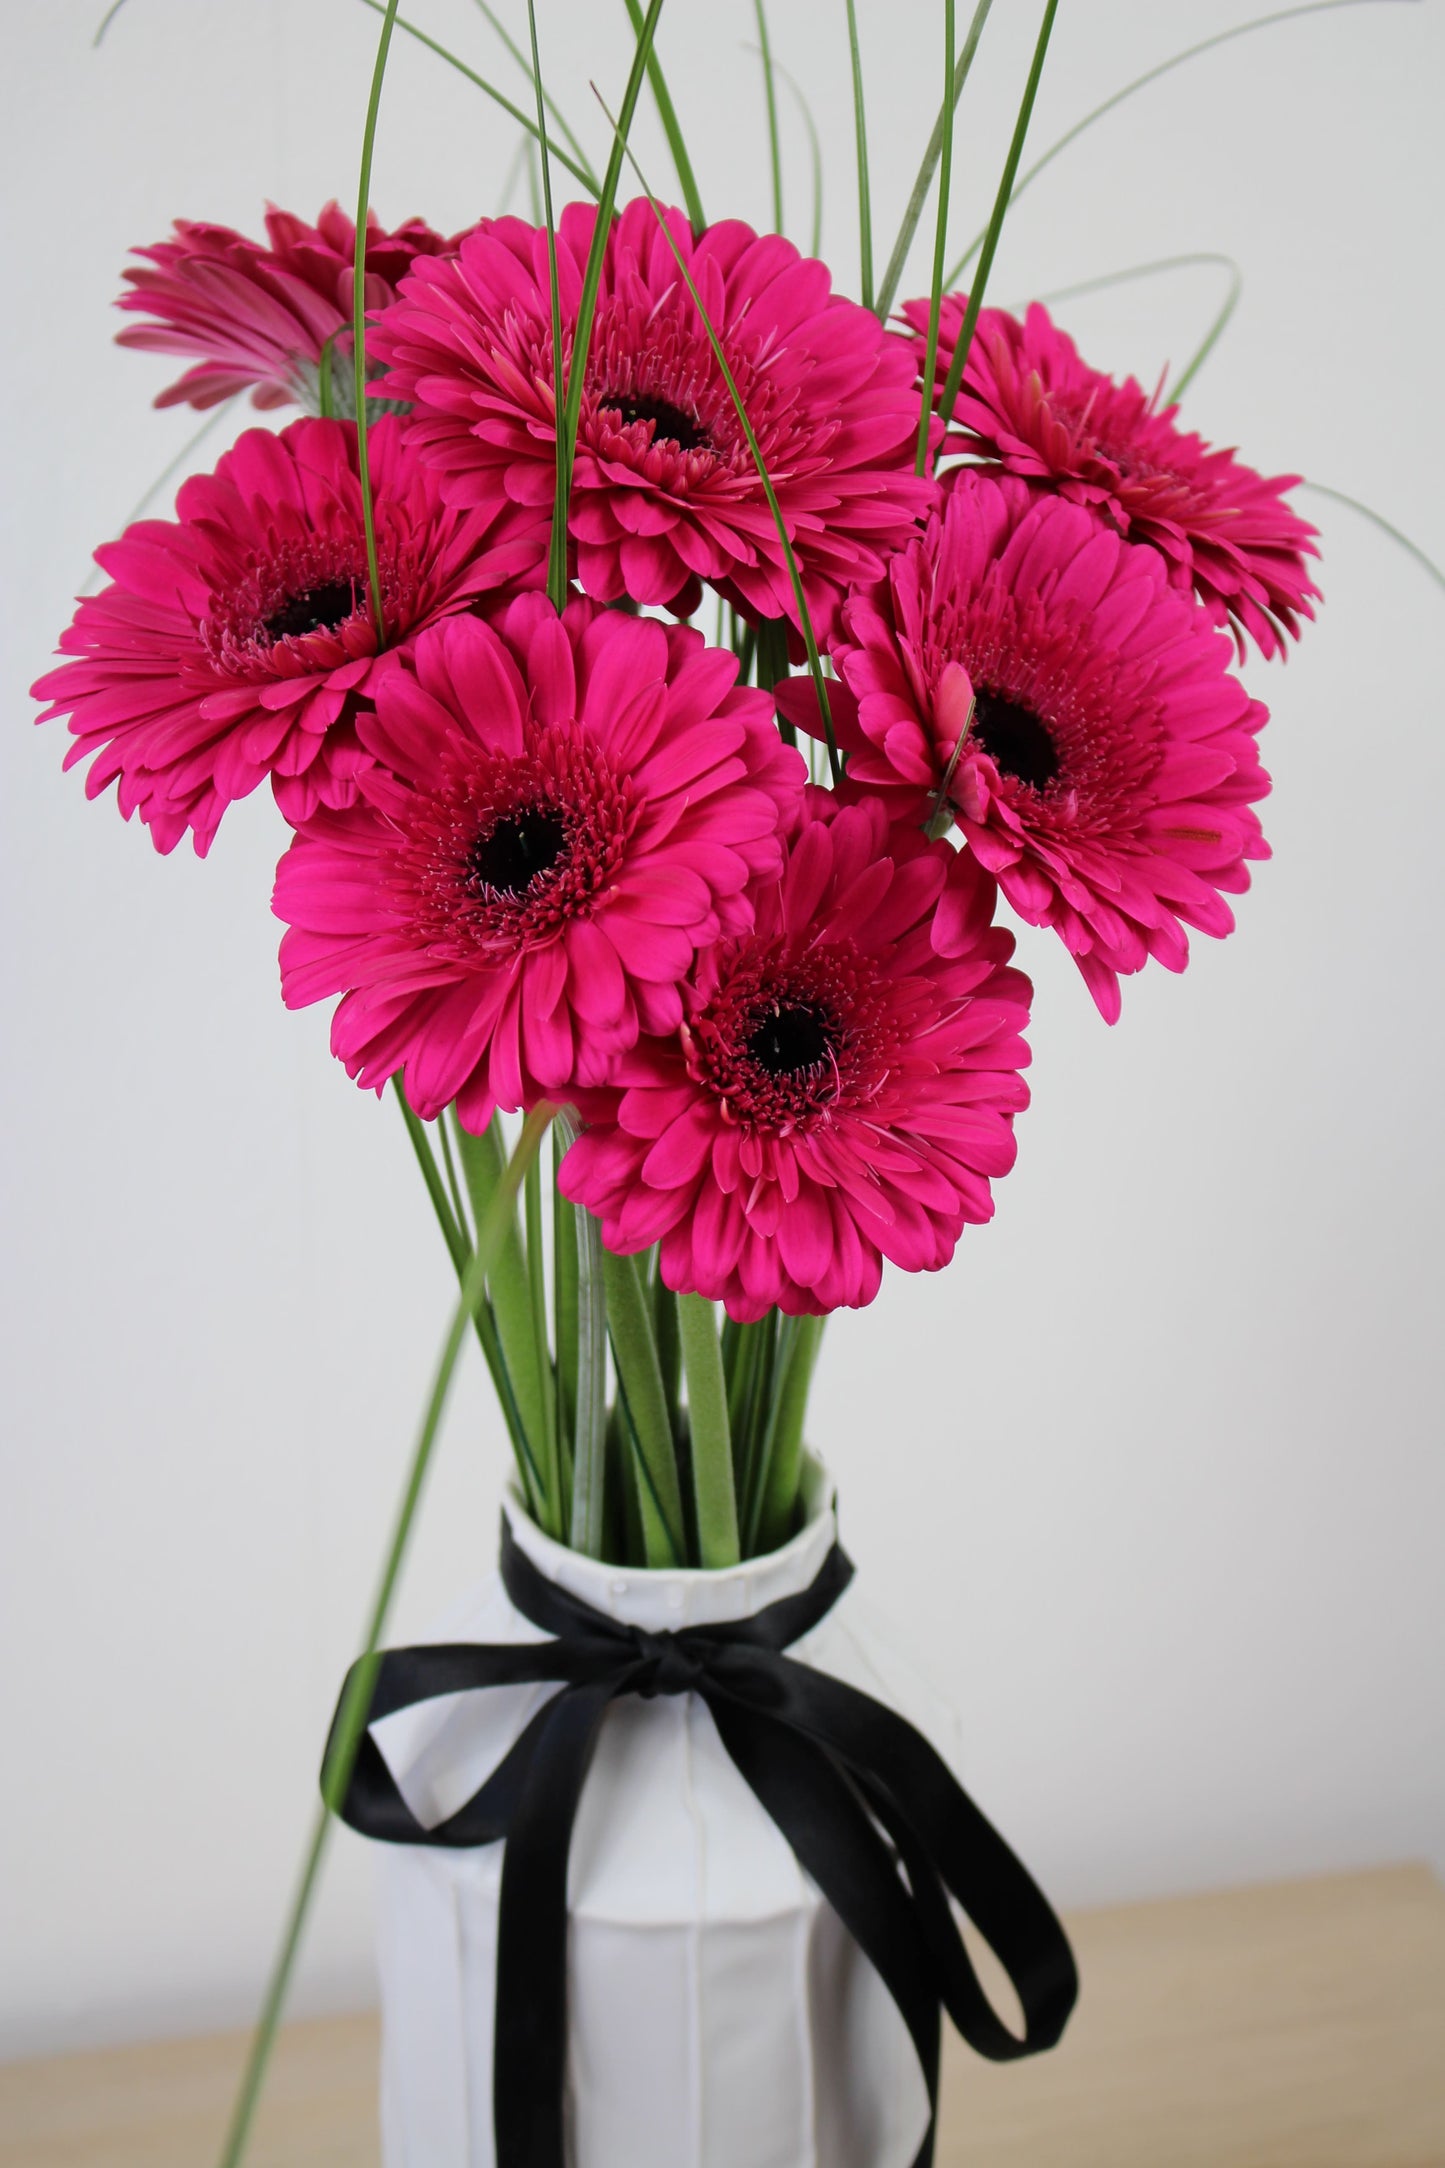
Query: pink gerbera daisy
x,y
260,316
1028,669
237,641
842,1090
1028,401
665,491
562,812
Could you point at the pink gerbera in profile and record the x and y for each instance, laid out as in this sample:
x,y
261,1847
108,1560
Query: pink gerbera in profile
x,y
1029,671
665,491
842,1090
260,316
237,641
561,813
1028,401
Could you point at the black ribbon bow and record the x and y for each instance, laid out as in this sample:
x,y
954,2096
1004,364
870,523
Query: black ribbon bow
x,y
872,1813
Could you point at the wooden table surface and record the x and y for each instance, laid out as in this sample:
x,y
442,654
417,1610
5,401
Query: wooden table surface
x,y
1300,2025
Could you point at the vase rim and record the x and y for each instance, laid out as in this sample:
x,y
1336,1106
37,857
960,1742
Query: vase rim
x,y
667,1598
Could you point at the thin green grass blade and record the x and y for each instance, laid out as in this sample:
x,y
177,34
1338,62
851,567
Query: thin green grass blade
x,y
634,1351
1160,264
1141,82
860,138
914,210
562,496
940,247
592,275
564,1296
714,1496
805,617
453,1186
105,22
1411,549
815,155
358,322
539,86
1000,211
459,1249
775,153
351,1721
587,1531
579,173
671,128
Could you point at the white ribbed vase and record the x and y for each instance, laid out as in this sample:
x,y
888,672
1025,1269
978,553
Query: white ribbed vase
x,y
720,2015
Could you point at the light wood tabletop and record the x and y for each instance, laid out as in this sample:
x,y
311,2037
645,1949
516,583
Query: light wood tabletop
x,y
1298,2025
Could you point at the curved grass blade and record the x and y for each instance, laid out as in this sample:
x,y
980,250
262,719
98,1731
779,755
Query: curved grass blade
x,y
557,552
1151,270
940,245
1141,82
860,137
378,7
547,99
805,617
358,322
1412,549
105,22
774,145
815,154
351,1720
914,210
1000,209
671,128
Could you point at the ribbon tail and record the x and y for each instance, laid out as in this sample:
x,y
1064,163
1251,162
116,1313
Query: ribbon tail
x,y
529,2056
817,1809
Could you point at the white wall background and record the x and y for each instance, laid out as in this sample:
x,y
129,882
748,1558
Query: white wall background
x,y
1157,1464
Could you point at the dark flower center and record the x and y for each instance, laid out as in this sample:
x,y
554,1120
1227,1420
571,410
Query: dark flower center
x,y
522,845
789,1038
669,423
318,609
1014,739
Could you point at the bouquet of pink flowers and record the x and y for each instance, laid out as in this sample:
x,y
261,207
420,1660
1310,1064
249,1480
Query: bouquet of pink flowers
x,y
665,664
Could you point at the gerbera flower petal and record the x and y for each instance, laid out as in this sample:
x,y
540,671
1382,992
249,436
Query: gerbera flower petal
x,y
237,641
842,1087
259,316
496,887
1028,401
665,489
1106,775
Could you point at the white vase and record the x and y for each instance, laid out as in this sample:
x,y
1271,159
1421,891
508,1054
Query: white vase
x,y
720,2015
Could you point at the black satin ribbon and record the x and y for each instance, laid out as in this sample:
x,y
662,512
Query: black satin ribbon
x,y
872,1813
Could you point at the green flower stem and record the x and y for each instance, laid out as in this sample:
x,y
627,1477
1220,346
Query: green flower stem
x,y
979,284
774,147
805,615
549,1455
634,1351
940,246
776,1505
667,114
564,1293
914,211
483,1163
453,1186
589,1467
579,173
351,1722
865,192
358,322
534,78
669,1347
714,1496
458,1246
